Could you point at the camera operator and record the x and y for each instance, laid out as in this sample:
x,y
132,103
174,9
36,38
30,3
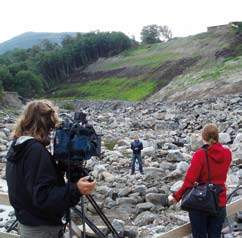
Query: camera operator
x,y
36,187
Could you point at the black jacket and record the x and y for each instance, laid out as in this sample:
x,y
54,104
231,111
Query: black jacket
x,y
36,188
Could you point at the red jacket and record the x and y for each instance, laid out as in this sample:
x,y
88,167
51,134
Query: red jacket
x,y
219,160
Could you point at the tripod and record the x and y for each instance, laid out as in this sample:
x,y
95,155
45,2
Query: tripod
x,y
79,210
78,171
73,173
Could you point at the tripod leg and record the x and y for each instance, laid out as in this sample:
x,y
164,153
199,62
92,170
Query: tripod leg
x,y
13,225
94,228
69,221
102,215
83,219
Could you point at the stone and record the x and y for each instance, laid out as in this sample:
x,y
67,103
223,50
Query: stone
x,y
153,172
156,198
141,207
125,200
124,192
174,156
196,142
145,218
224,138
182,166
141,189
176,186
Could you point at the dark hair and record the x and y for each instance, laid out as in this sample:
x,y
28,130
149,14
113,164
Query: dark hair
x,y
37,120
210,134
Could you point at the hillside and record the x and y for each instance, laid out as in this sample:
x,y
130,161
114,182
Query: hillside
x,y
28,39
195,66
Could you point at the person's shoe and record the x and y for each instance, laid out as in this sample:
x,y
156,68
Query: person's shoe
x,y
132,174
142,173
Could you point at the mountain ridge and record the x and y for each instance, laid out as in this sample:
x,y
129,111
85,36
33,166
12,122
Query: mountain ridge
x,y
28,39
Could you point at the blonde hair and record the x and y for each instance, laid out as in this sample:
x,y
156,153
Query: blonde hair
x,y
37,120
210,134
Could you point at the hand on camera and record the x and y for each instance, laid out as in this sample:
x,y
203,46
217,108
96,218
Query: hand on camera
x,y
84,186
171,199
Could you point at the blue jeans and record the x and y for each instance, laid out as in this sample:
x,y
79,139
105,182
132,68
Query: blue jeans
x,y
204,226
138,157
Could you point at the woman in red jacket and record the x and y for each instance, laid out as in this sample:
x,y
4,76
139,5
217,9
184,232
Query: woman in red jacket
x,y
219,160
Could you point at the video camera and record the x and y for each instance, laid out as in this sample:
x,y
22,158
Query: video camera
x,y
75,142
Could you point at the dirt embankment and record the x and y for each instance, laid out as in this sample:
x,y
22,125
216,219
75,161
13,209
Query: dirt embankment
x,y
162,74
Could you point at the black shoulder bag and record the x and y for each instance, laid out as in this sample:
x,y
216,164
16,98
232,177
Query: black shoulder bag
x,y
202,197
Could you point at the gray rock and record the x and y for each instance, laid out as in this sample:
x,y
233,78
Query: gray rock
x,y
148,151
145,218
118,225
123,142
167,165
105,190
109,203
224,138
141,207
154,172
238,139
174,156
126,200
182,166
3,135
98,169
176,186
141,189
131,231
3,147
156,198
196,142
124,192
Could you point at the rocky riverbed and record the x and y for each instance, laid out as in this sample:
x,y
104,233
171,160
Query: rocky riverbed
x,y
170,134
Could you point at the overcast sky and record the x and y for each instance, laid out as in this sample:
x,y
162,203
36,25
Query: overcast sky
x,y
184,17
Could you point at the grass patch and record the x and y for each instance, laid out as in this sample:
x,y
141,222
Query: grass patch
x,y
109,144
212,75
232,64
68,106
134,52
150,61
231,59
108,89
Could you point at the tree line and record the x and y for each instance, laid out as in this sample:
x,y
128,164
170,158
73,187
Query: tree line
x,y
31,72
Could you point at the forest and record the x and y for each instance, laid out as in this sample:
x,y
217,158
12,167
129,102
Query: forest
x,y
32,72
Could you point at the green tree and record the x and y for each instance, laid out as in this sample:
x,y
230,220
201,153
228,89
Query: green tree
x,y
166,32
29,71
1,88
17,66
5,77
48,45
152,33
28,84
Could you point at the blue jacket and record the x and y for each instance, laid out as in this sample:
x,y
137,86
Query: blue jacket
x,y
137,145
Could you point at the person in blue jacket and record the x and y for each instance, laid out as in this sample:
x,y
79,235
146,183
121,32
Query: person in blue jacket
x,y
36,187
136,146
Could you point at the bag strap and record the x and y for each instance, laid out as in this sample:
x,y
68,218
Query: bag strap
x,y
209,176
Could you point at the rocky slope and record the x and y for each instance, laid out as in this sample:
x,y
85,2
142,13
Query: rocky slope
x,y
170,133
193,67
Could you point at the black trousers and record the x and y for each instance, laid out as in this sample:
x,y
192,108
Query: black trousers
x,y
204,226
